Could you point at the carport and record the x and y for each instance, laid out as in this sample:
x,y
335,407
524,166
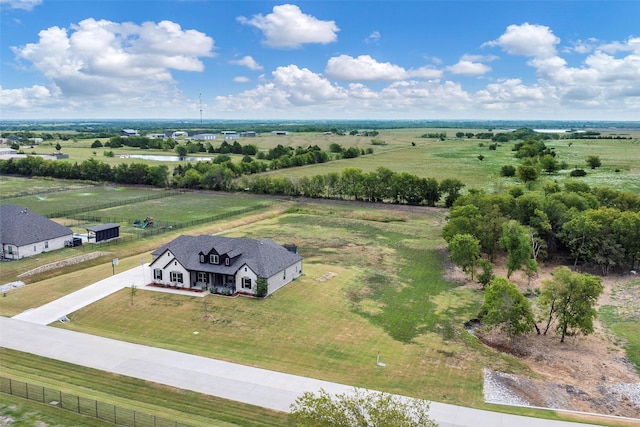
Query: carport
x,y
103,232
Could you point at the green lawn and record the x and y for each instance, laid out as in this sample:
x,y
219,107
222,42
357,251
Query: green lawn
x,y
186,407
385,295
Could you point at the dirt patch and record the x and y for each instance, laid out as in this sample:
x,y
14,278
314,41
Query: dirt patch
x,y
63,263
588,374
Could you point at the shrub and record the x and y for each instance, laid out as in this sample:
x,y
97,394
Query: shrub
x,y
578,172
96,144
262,287
508,171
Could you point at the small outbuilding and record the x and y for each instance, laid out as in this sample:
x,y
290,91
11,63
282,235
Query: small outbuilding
x,y
103,232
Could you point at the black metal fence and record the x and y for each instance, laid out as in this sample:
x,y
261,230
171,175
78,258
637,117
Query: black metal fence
x,y
89,407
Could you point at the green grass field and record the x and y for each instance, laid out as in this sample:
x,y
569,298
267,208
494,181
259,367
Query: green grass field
x,y
451,158
190,408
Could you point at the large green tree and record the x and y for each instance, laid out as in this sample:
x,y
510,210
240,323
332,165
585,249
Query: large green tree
x,y
516,240
570,299
507,308
464,251
359,409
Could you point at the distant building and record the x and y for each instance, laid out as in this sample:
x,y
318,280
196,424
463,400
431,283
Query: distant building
x,y
205,137
156,136
229,134
179,134
128,132
24,233
280,132
248,134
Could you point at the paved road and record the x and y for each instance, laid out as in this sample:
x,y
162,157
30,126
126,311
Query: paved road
x,y
28,332
241,383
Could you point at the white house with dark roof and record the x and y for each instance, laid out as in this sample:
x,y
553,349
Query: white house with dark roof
x,y
224,264
24,233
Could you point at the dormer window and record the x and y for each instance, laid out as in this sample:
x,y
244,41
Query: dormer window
x,y
201,257
214,259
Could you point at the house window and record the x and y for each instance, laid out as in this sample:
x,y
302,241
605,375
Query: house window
x,y
201,257
46,245
203,277
214,259
246,283
157,274
35,249
176,276
10,250
227,261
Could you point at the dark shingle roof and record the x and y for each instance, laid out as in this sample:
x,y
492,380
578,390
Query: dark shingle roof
x,y
264,257
20,226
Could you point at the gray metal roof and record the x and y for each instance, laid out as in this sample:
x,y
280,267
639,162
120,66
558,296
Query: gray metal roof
x,y
101,227
264,257
20,226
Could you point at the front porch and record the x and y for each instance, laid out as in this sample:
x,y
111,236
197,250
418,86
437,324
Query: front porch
x,y
215,283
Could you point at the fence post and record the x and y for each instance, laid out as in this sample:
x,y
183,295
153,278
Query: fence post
x,y
42,394
78,403
97,410
26,386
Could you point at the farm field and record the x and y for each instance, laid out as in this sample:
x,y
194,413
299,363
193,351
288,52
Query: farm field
x,y
406,151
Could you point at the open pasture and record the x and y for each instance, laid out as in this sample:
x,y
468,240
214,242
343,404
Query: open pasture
x,y
371,283
405,150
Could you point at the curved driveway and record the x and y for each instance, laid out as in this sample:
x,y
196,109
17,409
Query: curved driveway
x,y
28,332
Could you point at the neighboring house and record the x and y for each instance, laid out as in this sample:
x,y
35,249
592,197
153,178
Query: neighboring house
x,y
224,264
24,233
129,132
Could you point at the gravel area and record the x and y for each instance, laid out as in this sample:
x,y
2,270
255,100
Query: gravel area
x,y
627,391
12,285
495,390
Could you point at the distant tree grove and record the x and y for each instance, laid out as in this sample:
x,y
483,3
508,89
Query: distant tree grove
x,y
221,174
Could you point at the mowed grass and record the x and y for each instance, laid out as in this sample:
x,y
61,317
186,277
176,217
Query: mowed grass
x,y
50,203
13,186
622,318
183,207
186,407
326,328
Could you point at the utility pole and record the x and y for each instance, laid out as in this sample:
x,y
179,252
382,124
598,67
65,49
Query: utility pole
x,y
200,98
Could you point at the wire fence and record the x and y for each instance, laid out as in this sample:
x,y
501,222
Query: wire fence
x,y
160,227
78,210
88,407
11,195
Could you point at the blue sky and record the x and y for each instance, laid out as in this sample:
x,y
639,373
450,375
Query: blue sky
x,y
498,60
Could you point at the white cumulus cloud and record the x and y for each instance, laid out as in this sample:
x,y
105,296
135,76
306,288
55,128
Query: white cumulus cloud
x,y
20,4
365,68
288,27
247,61
104,60
528,40
471,65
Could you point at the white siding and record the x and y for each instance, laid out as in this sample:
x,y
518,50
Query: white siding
x,y
168,264
280,279
246,272
36,248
